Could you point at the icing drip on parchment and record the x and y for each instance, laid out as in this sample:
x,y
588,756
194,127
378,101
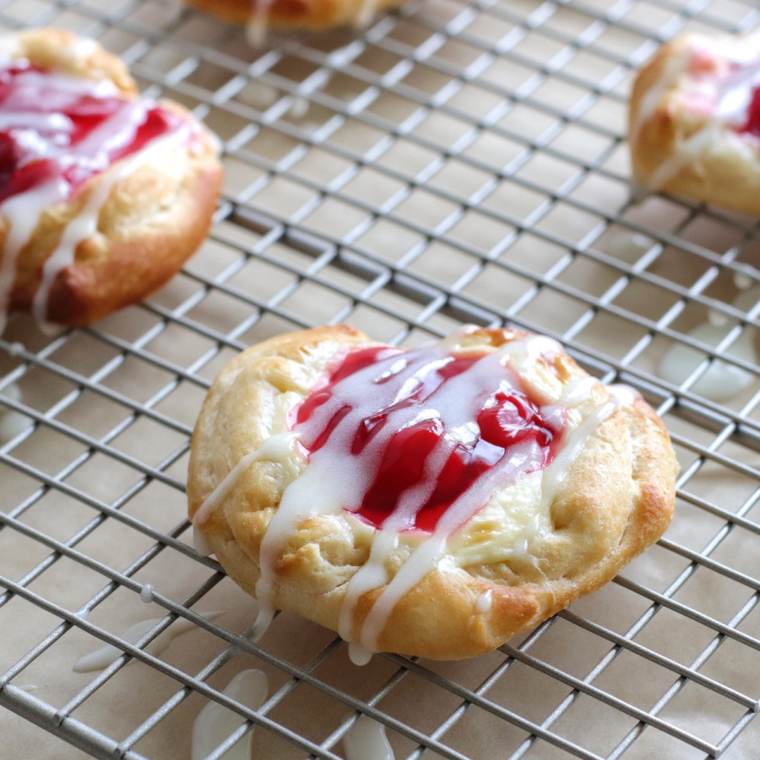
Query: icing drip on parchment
x,y
216,723
108,654
12,423
366,740
477,431
720,380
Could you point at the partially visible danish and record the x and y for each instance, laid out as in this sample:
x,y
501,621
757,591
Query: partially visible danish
x,y
103,194
432,501
257,15
694,123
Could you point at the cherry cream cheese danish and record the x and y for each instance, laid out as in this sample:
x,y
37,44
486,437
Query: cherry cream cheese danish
x,y
694,123
432,501
258,15
103,194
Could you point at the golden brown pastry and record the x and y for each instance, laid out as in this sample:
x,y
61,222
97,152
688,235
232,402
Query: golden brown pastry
x,y
433,501
103,194
694,122
303,14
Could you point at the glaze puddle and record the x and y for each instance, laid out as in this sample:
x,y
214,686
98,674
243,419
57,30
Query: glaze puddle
x,y
721,381
104,657
12,423
216,723
366,740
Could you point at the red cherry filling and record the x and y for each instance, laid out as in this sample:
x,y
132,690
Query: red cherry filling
x,y
46,121
509,419
752,125
418,471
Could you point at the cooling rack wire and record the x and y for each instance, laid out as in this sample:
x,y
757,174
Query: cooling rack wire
x,y
453,162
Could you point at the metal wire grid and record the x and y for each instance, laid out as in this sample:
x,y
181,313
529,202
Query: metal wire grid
x,y
354,213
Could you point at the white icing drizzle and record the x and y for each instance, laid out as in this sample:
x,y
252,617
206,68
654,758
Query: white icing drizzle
x,y
743,281
99,88
12,424
117,131
556,474
263,621
9,47
103,657
300,108
484,601
258,22
216,723
366,740
424,559
366,12
85,223
317,490
623,395
278,448
201,543
81,47
372,574
39,121
358,654
146,593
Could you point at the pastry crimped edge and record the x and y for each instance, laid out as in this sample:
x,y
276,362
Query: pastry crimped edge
x,y
152,222
439,618
302,14
727,173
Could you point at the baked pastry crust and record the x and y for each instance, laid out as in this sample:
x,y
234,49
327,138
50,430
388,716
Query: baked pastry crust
x,y
153,220
302,14
617,499
676,143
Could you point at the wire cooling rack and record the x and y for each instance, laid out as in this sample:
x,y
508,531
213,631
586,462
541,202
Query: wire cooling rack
x,y
453,162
